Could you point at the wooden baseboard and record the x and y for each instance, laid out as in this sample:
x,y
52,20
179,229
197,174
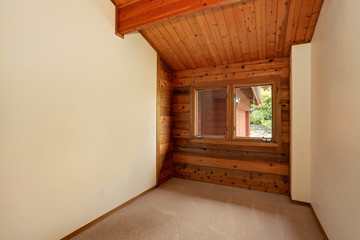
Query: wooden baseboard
x,y
318,222
300,203
314,214
92,223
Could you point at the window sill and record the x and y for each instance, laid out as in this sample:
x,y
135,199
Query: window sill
x,y
223,141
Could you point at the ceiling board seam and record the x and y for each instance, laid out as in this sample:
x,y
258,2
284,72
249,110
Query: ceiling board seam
x,y
208,38
207,52
297,25
170,51
222,52
312,14
236,40
179,42
196,42
180,28
145,35
181,56
256,32
228,32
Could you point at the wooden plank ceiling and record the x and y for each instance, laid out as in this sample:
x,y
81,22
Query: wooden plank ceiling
x,y
233,33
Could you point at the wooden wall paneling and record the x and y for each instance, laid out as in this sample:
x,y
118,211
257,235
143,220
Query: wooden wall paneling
x,y
217,151
181,107
242,165
185,143
274,64
221,159
182,82
243,179
164,116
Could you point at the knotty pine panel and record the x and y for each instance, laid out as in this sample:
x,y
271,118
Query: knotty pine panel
x,y
257,168
164,144
250,180
233,33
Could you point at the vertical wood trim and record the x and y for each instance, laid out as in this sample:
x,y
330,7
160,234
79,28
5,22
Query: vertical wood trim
x,y
313,213
158,121
165,115
232,109
228,113
192,112
276,104
290,121
318,222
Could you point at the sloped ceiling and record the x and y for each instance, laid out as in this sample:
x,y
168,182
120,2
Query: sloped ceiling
x,y
234,33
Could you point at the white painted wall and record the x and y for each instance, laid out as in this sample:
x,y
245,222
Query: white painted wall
x,y
77,125
301,122
336,119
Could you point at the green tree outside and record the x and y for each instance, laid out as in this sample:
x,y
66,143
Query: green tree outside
x,y
262,115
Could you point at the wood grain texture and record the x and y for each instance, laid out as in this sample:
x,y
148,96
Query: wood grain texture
x,y
258,167
164,145
137,15
235,33
243,179
242,165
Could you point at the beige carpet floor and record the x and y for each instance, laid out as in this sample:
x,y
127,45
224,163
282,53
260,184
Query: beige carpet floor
x,y
183,209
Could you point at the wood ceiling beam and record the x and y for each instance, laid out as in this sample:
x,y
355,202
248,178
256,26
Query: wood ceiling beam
x,y
123,2
140,14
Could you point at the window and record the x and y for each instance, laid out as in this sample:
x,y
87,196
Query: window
x,y
211,113
253,111
250,115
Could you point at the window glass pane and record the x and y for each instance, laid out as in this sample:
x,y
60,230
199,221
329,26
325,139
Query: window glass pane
x,y
253,111
211,113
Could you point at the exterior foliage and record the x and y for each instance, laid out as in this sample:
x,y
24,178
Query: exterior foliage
x,y
262,115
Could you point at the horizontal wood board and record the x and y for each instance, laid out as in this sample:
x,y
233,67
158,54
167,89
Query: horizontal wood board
x,y
164,144
254,167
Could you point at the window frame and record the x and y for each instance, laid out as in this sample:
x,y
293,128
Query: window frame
x,y
230,137
193,111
